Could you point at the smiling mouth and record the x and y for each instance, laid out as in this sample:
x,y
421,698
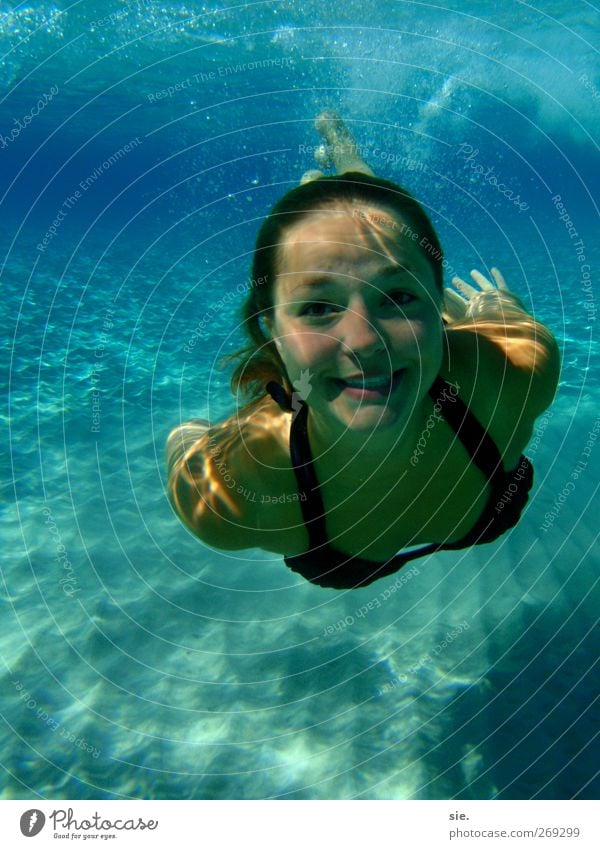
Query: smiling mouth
x,y
372,386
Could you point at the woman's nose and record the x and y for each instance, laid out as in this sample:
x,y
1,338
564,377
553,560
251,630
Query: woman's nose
x,y
361,334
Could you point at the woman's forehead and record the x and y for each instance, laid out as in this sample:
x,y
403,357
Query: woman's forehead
x,y
330,238
346,217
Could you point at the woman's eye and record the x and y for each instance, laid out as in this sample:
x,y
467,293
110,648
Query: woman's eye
x,y
318,309
401,298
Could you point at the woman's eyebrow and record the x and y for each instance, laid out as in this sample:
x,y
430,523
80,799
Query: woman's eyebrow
x,y
315,282
395,268
322,280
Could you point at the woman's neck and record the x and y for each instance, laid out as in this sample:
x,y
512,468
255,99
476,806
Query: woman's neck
x,y
360,453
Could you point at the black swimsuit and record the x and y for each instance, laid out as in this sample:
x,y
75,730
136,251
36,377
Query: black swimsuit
x,y
326,566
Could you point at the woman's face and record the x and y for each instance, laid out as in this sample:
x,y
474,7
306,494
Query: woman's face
x,y
356,316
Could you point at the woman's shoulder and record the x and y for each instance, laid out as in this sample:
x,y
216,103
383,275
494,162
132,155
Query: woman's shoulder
x,y
257,434
221,483
520,356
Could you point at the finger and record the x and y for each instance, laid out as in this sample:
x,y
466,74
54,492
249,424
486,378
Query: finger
x,y
455,307
481,281
459,284
464,287
453,299
498,277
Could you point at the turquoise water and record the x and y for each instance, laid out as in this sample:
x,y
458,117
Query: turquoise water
x,y
136,661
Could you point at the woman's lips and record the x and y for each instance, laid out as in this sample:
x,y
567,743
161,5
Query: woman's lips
x,y
364,389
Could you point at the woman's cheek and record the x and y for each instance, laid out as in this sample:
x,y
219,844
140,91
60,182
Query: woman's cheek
x,y
293,360
428,338
304,350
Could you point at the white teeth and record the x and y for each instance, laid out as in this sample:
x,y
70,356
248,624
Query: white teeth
x,y
382,382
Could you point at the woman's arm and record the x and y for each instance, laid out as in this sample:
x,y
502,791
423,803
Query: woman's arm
x,y
523,347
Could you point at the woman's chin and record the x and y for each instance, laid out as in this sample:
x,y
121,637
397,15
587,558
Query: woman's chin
x,y
361,412
367,418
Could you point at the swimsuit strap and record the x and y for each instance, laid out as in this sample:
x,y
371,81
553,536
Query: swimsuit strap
x,y
486,456
279,395
313,510
478,443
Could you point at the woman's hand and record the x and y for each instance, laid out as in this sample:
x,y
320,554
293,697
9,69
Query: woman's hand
x,y
486,300
515,357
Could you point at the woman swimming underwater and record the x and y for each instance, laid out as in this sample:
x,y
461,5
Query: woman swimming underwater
x,y
385,411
